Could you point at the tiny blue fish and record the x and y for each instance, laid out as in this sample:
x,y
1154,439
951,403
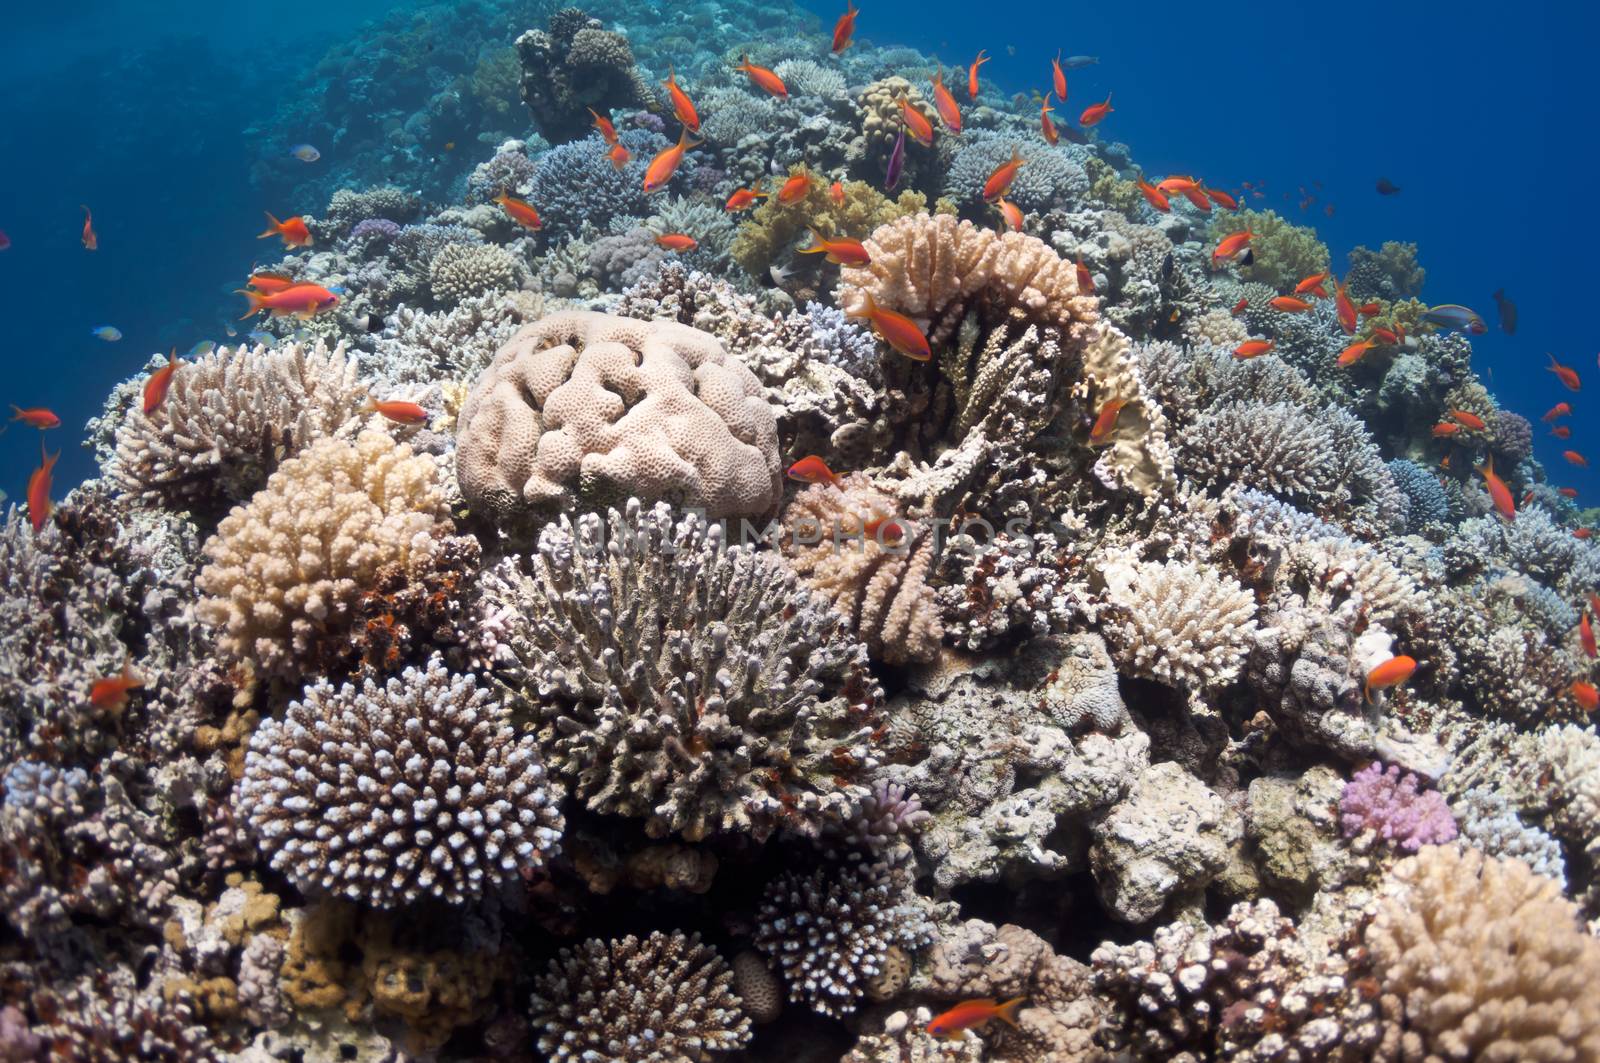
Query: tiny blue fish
x,y
201,349
1455,318
109,333
260,336
897,161
1078,62
305,153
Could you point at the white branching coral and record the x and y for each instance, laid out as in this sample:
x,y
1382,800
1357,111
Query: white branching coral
x,y
388,794
1488,961
1182,624
230,417
286,570
683,682
844,541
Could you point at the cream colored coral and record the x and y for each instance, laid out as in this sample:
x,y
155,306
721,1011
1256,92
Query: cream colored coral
x,y
879,110
878,581
582,407
285,569
230,417
1184,625
1489,961
1137,453
1215,326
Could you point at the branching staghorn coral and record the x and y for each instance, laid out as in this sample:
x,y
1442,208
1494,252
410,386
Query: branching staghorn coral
x,y
683,682
230,417
1182,624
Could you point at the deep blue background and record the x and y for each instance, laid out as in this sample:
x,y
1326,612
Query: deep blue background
x,y
1483,114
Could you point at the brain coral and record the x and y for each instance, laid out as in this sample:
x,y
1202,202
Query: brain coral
x,y
287,569
684,682
387,794
584,408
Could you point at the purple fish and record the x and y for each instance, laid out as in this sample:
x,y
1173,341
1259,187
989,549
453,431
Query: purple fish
x,y
897,161
5,241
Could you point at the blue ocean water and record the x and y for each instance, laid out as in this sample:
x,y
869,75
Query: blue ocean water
x,y
155,114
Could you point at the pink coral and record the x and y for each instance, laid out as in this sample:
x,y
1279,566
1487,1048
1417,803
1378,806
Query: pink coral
x,y
1393,804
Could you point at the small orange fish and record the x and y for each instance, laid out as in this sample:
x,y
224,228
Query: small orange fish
x,y
111,694
1047,128
36,417
1582,533
972,74
1568,375
1446,429
840,250
677,242
1390,673
1499,493
890,528
897,330
1574,458
1585,694
1058,78
1567,492
39,489
1085,278
665,164
1011,214
1469,420
1399,332
795,188
1312,283
917,124
518,211
744,198
1353,353
999,182
1221,198
1561,431
1197,199
1586,634
1154,196
973,1014
619,155
91,241
396,410
1347,310
1560,409
268,283
1239,307
155,388
1527,496
1369,309
1095,113
812,470
608,132
304,300
1178,185
836,193
1106,422
1253,348
945,104
1230,246
1290,305
762,78
845,28
682,106
294,231
1389,338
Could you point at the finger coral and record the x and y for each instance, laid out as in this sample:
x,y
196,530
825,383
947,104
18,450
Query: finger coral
x,y
586,409
684,682
1393,804
286,570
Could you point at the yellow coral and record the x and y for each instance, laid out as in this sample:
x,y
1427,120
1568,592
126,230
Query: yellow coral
x,y
432,990
774,227
1282,253
1108,188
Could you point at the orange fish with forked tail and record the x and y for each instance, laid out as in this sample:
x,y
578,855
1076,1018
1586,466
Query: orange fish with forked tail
x,y
1094,114
1353,353
897,330
111,693
744,198
762,78
1010,214
1390,673
972,74
39,489
1289,304
840,250
397,410
1253,348
812,470
1228,246
973,1014
666,162
1499,493
1047,128
1106,422
682,106
999,182
156,387
36,417
303,300
945,104
608,132
1346,309
1058,78
518,211
845,28
91,242
1567,374
795,188
1154,196
917,124
295,232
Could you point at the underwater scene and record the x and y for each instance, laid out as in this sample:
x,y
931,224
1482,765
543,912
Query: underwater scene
x,y
717,531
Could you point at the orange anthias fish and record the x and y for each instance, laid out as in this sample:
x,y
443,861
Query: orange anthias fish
x,y
1446,429
1177,184
762,78
999,182
840,250
891,529
1369,309
157,386
1253,348
845,28
917,124
1469,420
1289,304
795,188
1239,307
518,211
744,198
1586,695
1154,196
91,242
812,470
111,693
1095,113
1085,278
1230,245
608,132
306,300
973,1014
897,330
1197,199
1058,78
1221,198
1385,335
267,283
1047,128
39,490
36,417
1574,458
1390,673
619,155
1010,214
1568,375
677,242
1106,422
294,231
945,104
1499,493
1312,283
1567,492
1586,634
682,106
665,164
972,74
1351,354
1582,533
836,193
396,410
1347,309
1560,409
1561,431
